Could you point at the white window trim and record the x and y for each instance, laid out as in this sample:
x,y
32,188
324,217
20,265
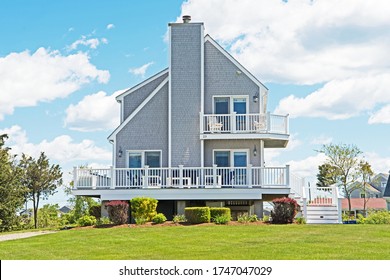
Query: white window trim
x,y
232,155
231,97
142,152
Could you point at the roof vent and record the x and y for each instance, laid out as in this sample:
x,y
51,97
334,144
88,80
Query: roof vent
x,y
186,19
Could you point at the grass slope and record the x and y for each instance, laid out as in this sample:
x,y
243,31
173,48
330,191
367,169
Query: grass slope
x,y
274,242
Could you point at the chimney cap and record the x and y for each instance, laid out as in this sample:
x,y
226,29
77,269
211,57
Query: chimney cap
x,y
186,18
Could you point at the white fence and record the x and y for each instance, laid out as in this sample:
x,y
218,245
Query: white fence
x,y
181,177
244,123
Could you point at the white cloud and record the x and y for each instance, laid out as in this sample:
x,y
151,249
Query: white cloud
x,y
140,71
92,43
307,167
62,149
110,26
94,112
342,44
271,154
381,116
42,77
340,99
379,163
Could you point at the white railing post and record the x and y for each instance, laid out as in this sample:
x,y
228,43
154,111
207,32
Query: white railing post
x,y
268,122
233,122
113,177
146,177
75,177
249,175
288,175
339,205
181,176
304,201
261,179
214,175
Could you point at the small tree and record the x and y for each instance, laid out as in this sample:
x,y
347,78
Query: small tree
x,y
12,194
365,172
343,162
40,178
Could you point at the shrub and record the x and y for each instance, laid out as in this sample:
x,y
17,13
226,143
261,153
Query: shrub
x,y
179,219
86,220
143,208
300,220
219,211
245,218
197,215
378,217
159,218
118,211
265,218
103,221
96,211
285,209
222,219
140,221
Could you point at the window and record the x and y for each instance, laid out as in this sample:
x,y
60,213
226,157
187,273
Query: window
x,y
138,159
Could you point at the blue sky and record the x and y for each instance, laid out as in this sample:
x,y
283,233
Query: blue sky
x,y
325,63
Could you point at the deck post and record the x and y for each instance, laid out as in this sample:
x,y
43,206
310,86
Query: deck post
x,y
288,175
75,177
181,176
214,175
249,175
146,177
113,178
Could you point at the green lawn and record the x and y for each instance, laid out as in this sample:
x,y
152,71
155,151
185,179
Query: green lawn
x,y
272,242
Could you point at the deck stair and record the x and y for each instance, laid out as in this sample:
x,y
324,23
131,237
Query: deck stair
x,y
322,205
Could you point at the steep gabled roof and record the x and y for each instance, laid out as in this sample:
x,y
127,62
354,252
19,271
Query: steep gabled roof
x,y
208,38
387,189
143,83
135,112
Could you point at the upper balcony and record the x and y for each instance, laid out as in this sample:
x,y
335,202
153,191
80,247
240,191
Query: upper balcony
x,y
274,129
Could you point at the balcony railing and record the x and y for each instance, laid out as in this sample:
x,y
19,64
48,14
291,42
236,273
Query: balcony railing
x,y
244,123
181,177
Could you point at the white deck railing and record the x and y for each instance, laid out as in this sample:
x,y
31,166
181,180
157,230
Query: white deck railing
x,y
323,196
182,177
244,123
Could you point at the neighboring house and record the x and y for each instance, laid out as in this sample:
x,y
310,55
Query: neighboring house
x,y
194,134
379,182
386,193
64,210
357,204
358,191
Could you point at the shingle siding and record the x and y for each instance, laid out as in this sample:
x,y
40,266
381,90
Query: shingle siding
x,y
134,99
221,78
185,70
211,145
148,130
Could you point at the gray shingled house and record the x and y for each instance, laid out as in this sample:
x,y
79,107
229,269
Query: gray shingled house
x,y
194,134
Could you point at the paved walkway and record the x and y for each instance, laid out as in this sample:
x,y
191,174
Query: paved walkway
x,y
12,236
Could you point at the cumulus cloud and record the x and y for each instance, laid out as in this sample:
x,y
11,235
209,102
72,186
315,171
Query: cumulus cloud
x,y
92,43
62,149
140,71
94,112
381,116
110,26
42,77
340,44
321,140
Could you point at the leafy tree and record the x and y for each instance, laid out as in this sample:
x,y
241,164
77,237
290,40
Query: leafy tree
x,y
41,179
12,195
48,216
365,175
343,160
327,175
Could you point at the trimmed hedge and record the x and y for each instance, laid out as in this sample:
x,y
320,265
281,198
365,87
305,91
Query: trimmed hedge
x,y
197,215
219,211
